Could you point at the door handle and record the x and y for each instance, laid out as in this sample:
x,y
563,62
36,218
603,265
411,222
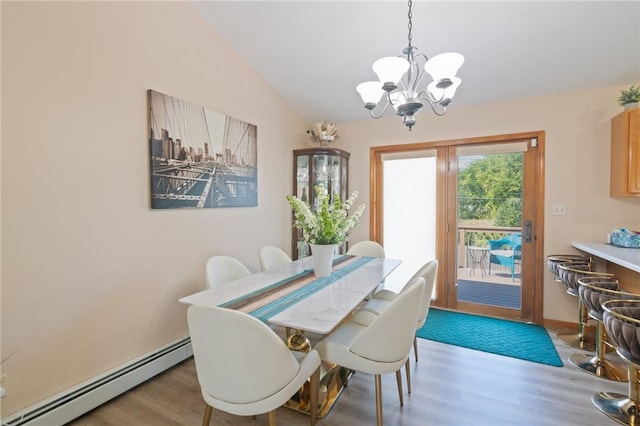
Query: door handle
x,y
527,231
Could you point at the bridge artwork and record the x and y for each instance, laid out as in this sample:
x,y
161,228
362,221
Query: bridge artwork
x,y
200,158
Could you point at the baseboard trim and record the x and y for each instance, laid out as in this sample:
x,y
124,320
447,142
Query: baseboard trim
x,y
556,324
74,402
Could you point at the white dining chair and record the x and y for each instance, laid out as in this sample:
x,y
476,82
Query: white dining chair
x,y
271,257
377,344
381,300
224,269
244,368
366,248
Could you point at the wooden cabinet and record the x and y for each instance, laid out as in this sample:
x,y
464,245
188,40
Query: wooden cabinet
x,y
317,166
625,154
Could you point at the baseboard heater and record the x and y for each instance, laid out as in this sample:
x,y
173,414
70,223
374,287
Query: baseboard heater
x,y
76,401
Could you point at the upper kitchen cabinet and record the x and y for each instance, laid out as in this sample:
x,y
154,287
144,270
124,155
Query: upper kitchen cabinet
x,y
625,154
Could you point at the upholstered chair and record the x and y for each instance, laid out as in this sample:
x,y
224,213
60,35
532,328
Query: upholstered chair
x,y
622,323
594,291
377,344
366,248
224,269
554,260
569,274
506,251
271,257
382,298
576,340
244,368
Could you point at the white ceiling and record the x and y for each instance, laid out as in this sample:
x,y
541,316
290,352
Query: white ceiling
x,y
314,53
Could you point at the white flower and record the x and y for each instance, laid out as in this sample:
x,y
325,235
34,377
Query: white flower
x,y
331,224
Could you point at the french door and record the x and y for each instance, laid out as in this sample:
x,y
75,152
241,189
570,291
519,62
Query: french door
x,y
461,202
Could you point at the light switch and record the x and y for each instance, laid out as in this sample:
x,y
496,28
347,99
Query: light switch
x,y
559,210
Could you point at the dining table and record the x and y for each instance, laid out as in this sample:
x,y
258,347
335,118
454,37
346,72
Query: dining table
x,y
291,296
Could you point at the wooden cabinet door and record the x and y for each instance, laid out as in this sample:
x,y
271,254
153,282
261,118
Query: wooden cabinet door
x,y
625,154
634,152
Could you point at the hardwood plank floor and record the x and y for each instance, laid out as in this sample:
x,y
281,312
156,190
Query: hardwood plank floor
x,y
451,386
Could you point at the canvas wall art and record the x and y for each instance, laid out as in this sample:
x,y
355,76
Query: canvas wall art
x,y
200,158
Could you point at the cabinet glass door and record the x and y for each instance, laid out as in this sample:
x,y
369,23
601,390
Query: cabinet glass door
x,y
318,166
302,177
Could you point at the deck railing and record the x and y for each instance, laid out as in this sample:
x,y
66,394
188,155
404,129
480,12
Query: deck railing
x,y
475,235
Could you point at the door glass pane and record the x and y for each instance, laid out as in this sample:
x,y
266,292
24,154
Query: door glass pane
x,y
409,213
489,250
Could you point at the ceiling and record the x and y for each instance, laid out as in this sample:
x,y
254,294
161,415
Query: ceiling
x,y
314,53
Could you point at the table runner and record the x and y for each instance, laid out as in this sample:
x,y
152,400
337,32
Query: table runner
x,y
275,298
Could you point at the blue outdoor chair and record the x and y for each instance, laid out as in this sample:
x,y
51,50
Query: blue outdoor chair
x,y
506,251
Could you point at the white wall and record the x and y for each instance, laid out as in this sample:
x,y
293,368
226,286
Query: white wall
x,y
91,276
577,127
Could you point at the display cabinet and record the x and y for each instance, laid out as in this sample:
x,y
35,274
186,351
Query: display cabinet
x,y
318,166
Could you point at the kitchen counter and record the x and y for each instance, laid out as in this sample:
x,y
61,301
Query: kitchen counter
x,y
626,257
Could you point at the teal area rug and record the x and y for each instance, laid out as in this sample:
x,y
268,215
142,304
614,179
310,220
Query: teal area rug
x,y
529,342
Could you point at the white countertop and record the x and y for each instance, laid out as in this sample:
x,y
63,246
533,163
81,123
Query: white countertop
x,y
627,257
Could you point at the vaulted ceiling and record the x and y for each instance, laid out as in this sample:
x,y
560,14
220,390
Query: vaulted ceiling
x,y
314,53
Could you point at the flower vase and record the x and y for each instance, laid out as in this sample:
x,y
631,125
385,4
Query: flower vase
x,y
322,259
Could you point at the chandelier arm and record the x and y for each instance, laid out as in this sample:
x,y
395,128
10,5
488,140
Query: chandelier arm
x,y
404,88
421,56
386,105
435,111
419,76
391,101
425,94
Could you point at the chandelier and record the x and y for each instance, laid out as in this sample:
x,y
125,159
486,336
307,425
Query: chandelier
x,y
401,76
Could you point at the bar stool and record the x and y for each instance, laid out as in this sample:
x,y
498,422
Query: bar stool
x,y
574,340
569,274
593,292
622,321
553,260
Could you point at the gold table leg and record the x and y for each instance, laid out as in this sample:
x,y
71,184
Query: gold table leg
x,y
333,380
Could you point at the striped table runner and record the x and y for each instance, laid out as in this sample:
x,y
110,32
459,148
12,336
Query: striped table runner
x,y
275,298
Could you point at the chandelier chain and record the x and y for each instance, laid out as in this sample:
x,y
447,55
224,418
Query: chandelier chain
x,y
410,15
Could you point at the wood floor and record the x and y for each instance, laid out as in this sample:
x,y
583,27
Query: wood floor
x,y
451,386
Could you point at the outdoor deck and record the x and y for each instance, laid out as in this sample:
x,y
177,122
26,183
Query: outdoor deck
x,y
473,256
499,275
496,289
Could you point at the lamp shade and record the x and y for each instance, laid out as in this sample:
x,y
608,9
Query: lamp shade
x,y
443,96
447,93
390,69
370,91
444,65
